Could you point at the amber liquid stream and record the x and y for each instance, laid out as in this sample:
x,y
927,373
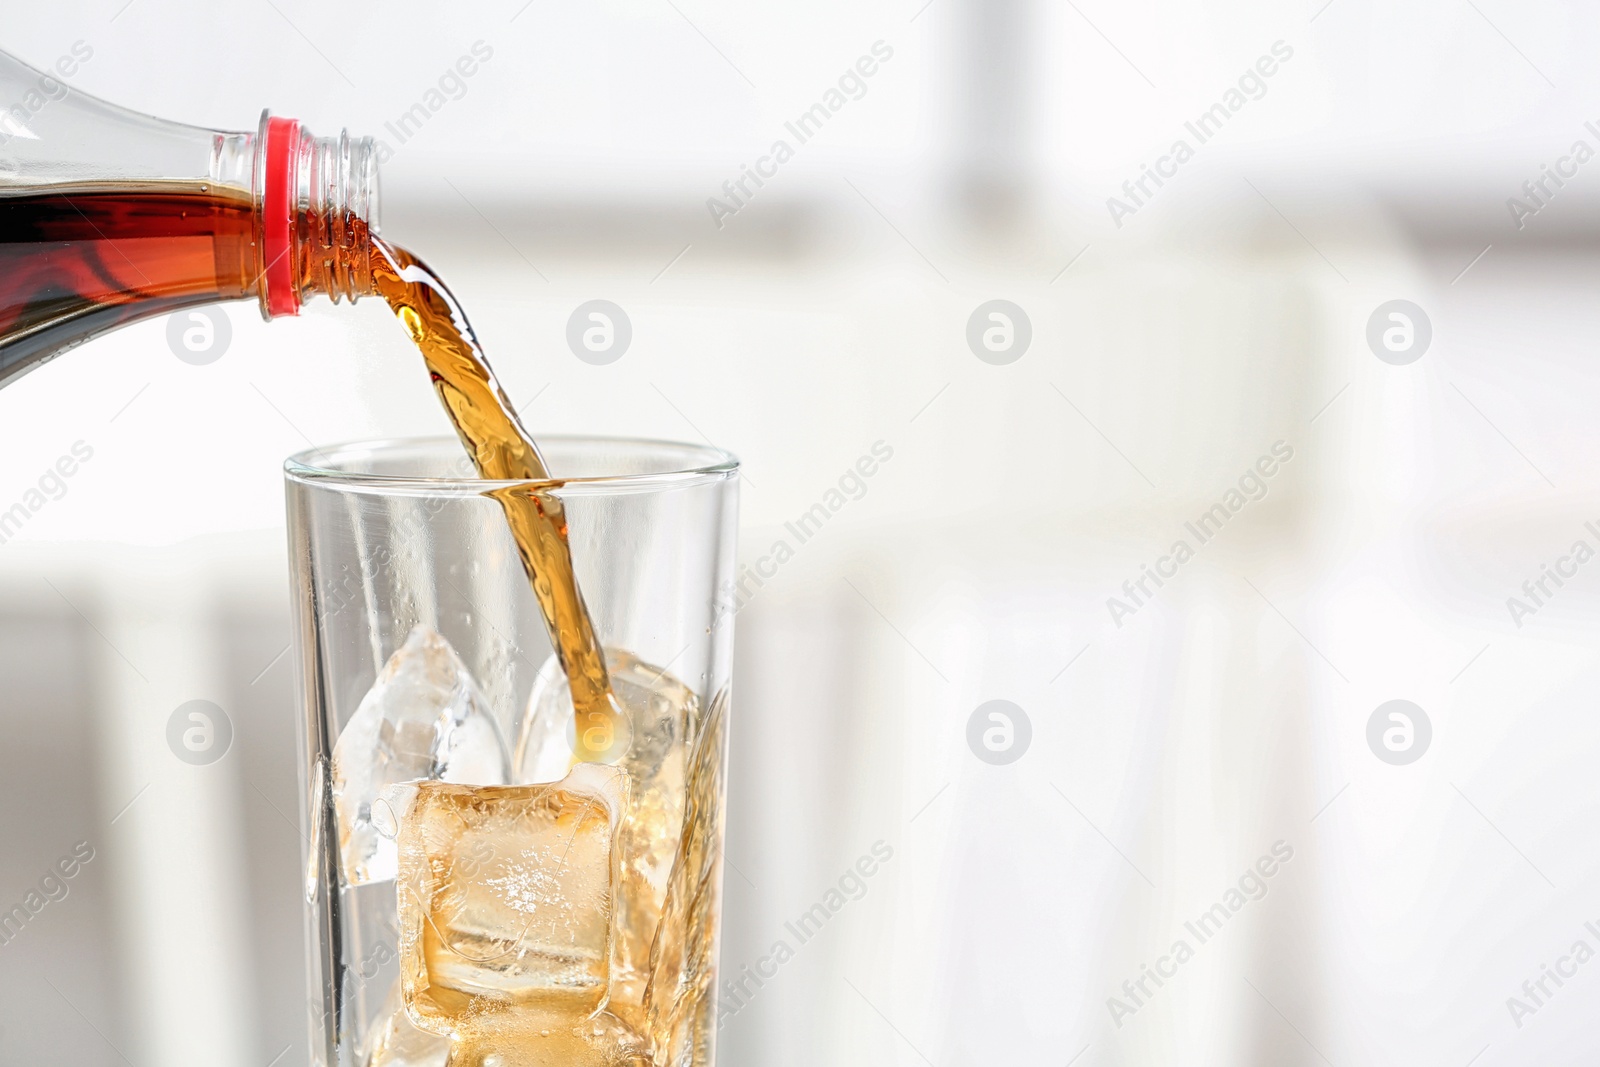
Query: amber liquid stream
x,y
502,451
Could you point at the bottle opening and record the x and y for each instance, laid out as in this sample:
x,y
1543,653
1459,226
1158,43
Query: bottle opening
x,y
319,209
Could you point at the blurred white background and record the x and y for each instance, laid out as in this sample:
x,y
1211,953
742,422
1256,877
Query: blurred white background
x,y
1168,754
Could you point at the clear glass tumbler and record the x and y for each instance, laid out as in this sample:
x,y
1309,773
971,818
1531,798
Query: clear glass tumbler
x,y
474,896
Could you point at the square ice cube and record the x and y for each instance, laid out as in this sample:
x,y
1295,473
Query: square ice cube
x,y
599,1041
507,898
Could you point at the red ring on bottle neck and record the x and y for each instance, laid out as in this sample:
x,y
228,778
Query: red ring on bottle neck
x,y
277,213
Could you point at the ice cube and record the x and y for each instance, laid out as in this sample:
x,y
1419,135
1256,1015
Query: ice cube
x,y
396,1042
601,1040
663,714
506,900
424,718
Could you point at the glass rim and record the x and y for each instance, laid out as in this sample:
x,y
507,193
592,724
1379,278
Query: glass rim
x,y
319,467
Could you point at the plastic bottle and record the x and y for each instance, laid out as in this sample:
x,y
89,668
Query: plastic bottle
x,y
108,216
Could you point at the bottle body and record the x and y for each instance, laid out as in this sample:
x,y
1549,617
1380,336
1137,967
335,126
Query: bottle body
x,y
108,216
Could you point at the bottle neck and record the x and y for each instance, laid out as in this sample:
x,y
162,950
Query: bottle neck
x,y
317,199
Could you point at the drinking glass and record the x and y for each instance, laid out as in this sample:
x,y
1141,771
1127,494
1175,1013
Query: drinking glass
x,y
463,907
